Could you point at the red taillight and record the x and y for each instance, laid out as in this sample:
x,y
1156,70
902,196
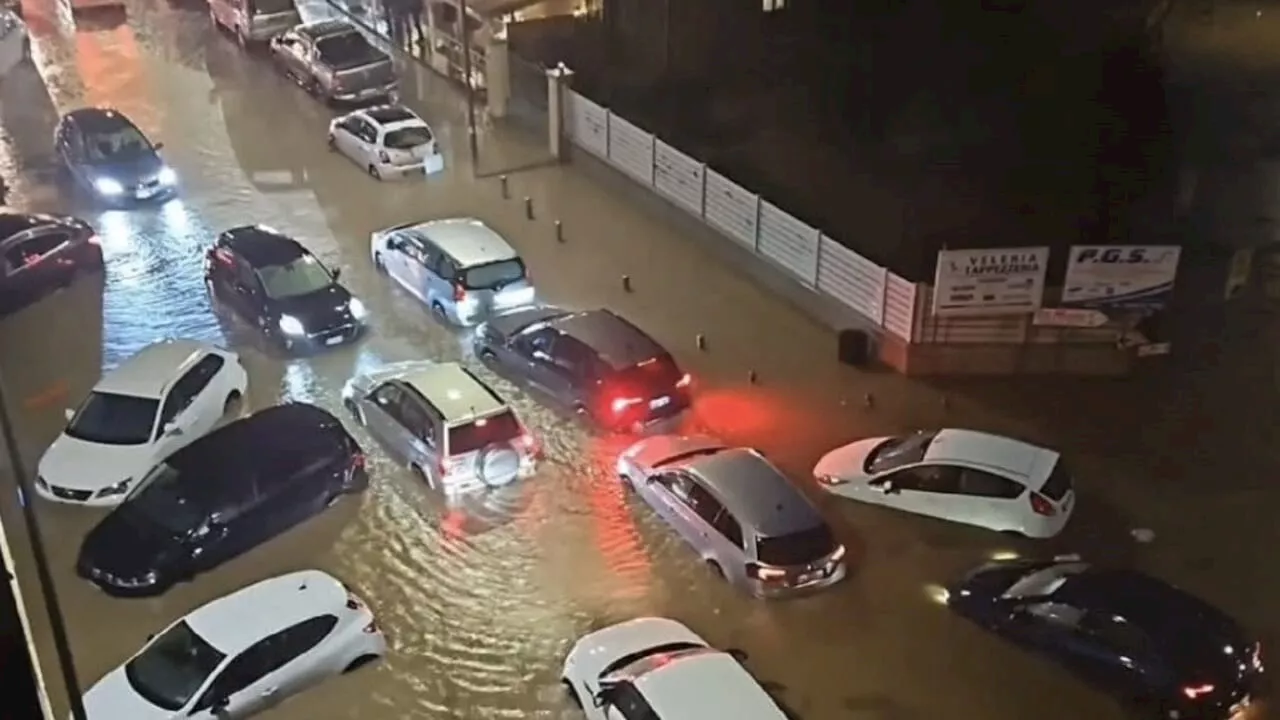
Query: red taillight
x,y
1041,506
459,293
760,572
620,405
1194,691
684,381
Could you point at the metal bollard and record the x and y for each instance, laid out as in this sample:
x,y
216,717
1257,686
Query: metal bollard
x,y
701,341
626,283
868,401
528,208
559,232
752,377
506,188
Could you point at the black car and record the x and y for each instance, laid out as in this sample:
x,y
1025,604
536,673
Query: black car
x,y
105,154
593,362
220,496
41,253
273,283
1168,653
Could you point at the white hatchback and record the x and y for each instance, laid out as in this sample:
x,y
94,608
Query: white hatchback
x,y
387,141
960,475
657,668
158,401
243,653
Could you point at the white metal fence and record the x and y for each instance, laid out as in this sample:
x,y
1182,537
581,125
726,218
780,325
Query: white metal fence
x,y
813,259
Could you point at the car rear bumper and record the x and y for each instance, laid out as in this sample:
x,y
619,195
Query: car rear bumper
x,y
365,94
773,591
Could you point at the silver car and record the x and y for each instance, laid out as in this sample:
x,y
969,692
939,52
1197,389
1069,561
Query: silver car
x,y
463,270
445,423
331,59
741,514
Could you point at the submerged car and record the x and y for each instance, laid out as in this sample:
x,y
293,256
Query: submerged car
x,y
654,667
445,423
964,476
592,362
331,59
221,496
388,141
276,286
155,403
243,653
1149,643
746,520
459,267
42,253
253,21
105,154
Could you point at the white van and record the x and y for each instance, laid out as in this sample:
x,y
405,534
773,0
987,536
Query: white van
x,y
253,21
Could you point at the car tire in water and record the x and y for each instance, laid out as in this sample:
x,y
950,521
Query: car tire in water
x,y
423,476
571,692
378,264
354,409
359,663
233,404
438,310
373,172
715,569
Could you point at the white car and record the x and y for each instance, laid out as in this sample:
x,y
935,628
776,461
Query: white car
x,y
960,475
156,402
658,669
388,141
243,653
15,43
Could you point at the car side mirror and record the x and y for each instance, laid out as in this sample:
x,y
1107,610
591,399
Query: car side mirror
x,y
151,636
68,414
172,430
220,704
337,273
158,146
888,488
601,698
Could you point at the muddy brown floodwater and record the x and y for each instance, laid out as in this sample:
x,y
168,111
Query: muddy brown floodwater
x,y
481,599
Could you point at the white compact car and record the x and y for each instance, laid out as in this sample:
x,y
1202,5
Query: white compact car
x,y
158,401
388,141
959,475
243,653
658,669
15,43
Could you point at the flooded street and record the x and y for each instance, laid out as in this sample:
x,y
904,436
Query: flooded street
x,y
481,597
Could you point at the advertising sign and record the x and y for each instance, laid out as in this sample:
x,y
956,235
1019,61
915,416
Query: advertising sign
x,y
1003,281
1120,276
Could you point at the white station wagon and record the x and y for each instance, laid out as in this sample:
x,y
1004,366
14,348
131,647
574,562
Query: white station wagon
x,y
960,475
657,669
155,403
243,653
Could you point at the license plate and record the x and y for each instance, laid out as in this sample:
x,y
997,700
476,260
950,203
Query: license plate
x,y
333,340
807,578
659,403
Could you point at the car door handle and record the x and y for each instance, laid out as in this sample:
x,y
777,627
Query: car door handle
x,y
269,692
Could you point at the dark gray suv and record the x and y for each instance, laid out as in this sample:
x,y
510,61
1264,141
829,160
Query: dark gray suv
x,y
592,362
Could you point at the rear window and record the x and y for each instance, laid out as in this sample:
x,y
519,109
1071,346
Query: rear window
x,y
656,375
477,435
345,48
407,138
1059,482
495,275
798,548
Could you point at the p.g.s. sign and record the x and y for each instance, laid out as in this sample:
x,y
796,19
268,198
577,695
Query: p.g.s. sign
x,y
1120,276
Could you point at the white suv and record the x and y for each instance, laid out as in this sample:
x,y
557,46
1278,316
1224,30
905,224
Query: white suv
x,y
155,403
452,429
243,653
657,669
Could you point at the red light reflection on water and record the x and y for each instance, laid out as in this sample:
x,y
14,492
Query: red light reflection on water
x,y
614,528
755,415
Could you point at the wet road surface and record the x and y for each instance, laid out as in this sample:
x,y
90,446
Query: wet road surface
x,y
481,599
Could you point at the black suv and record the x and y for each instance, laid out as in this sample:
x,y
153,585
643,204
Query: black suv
x,y
221,496
593,362
273,283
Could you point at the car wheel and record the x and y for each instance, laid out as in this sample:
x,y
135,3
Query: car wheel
x,y
359,663
715,569
333,143
571,692
241,39
233,404
378,264
354,409
373,172
26,49
438,310
423,476
628,485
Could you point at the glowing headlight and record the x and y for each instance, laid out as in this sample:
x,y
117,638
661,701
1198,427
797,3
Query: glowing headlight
x,y
290,325
119,488
107,186
357,308
167,176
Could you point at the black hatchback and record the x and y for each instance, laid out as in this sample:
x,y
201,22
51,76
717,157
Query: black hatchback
x,y
221,496
276,285
110,158
593,362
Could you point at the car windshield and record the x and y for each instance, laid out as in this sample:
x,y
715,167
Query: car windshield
x,y
483,432
162,500
798,548
112,419
344,48
173,668
302,276
407,138
493,276
272,7
899,451
125,143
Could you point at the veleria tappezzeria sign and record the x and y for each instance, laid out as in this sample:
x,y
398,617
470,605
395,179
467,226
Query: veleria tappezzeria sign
x,y
1120,276
1003,281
